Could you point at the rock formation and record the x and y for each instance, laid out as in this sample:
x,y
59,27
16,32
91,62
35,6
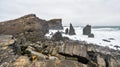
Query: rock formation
x,y
19,51
55,24
66,31
6,52
66,54
91,35
87,30
29,25
58,54
71,30
57,36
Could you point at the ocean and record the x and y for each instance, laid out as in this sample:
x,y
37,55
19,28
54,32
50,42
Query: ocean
x,y
101,33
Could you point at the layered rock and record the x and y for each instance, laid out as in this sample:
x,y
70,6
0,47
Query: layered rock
x,y
7,55
71,30
29,25
63,54
6,40
55,24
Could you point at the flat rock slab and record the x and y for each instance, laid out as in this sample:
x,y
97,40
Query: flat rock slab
x,y
6,40
73,49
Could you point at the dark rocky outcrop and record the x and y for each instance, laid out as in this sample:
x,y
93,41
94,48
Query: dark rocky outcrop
x,y
29,25
91,35
71,30
66,31
57,36
87,30
55,24
106,40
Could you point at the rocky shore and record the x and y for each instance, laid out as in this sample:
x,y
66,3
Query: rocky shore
x,y
23,44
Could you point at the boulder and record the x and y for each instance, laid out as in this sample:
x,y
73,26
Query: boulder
x,y
37,64
7,56
6,40
55,24
72,48
101,62
91,35
35,53
106,40
71,30
57,36
87,30
22,61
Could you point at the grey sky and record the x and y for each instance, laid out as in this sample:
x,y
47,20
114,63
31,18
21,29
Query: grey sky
x,y
77,12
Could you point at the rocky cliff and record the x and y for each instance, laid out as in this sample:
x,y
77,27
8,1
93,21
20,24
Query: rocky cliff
x,y
55,24
29,25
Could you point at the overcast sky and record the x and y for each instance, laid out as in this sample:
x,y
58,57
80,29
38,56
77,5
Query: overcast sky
x,y
77,12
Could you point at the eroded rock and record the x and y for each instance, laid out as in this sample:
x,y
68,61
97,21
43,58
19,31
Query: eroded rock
x,y
71,30
30,26
87,30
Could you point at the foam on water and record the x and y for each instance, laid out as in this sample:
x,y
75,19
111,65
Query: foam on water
x,y
99,33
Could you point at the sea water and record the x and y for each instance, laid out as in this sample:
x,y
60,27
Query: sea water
x,y
110,33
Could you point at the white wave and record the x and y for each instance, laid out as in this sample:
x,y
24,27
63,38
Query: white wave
x,y
105,33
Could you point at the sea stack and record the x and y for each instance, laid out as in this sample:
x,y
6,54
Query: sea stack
x,y
71,30
87,30
66,31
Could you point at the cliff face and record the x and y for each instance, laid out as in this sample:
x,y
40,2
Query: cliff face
x,y
28,25
55,24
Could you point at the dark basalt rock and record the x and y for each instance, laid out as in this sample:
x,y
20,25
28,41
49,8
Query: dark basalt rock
x,y
57,36
106,40
87,30
66,31
91,35
71,30
55,24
